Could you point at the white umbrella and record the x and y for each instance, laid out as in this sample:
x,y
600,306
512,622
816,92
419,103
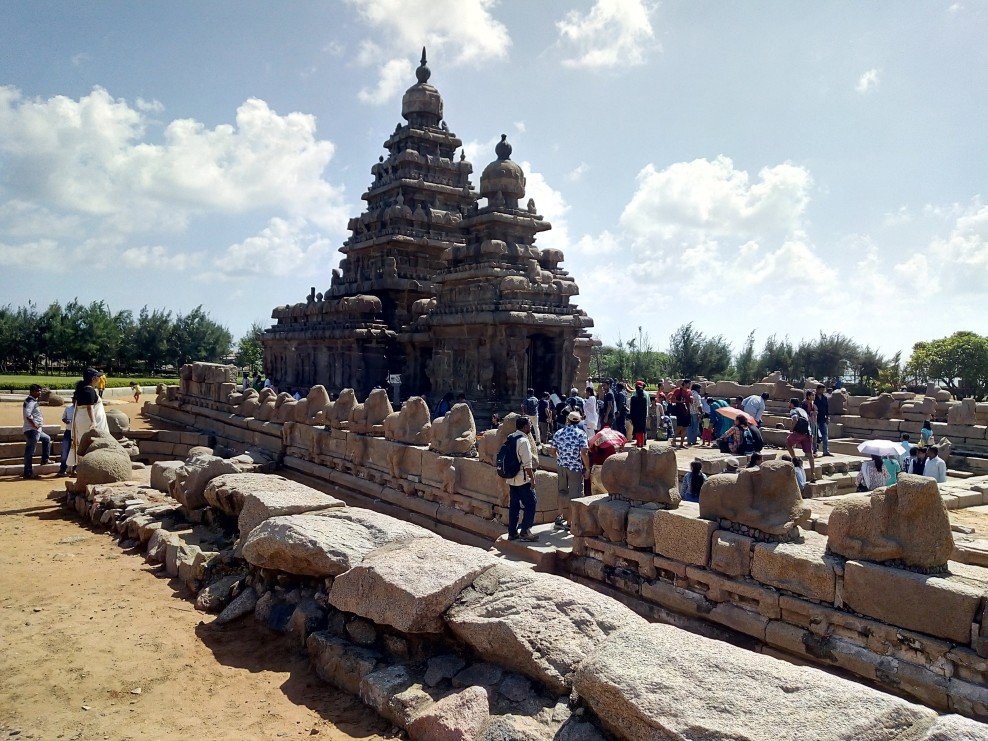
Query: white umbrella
x,y
881,448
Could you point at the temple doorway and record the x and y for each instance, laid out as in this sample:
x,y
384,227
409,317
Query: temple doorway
x,y
542,363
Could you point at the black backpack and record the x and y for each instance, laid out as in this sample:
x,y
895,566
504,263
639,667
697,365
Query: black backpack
x,y
754,439
507,463
802,426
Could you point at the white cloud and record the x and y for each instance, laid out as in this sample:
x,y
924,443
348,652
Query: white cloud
x,y
43,253
157,257
89,157
393,76
460,31
612,33
868,81
283,247
578,172
150,106
551,204
79,59
964,252
710,197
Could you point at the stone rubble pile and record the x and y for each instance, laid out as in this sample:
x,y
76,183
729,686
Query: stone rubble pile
x,y
447,641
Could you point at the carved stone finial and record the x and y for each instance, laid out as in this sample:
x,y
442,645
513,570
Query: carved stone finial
x,y
423,73
531,205
503,149
463,155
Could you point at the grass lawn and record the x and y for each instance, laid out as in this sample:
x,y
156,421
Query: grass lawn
x,y
20,382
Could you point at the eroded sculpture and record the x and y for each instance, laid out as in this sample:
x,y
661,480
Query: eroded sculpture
x,y
643,475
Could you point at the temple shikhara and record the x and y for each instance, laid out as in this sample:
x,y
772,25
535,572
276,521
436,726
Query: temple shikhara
x,y
440,285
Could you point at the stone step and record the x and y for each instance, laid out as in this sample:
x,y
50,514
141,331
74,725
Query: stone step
x,y
18,469
15,434
16,450
541,553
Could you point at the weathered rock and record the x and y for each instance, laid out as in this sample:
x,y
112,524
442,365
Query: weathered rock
x,y
51,398
538,624
362,632
368,418
327,543
117,422
656,682
191,478
455,433
612,517
582,520
242,606
643,475
878,407
766,498
411,424
103,466
963,413
409,585
307,618
457,717
442,667
278,496
214,596
489,443
339,662
483,674
905,523
956,728
513,728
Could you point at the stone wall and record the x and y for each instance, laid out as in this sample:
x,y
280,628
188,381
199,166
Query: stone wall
x,y
921,636
447,641
918,635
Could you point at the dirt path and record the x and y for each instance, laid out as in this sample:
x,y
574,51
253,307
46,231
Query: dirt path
x,y
95,645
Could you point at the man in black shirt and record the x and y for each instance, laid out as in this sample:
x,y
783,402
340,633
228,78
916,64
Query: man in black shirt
x,y
823,418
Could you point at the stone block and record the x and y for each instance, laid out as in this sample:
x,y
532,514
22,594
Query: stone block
x,y
730,553
643,475
409,585
659,682
640,533
765,499
538,624
943,606
612,516
339,662
739,619
582,520
274,496
803,567
683,536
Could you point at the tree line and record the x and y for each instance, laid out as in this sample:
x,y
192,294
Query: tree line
x,y
76,336
958,363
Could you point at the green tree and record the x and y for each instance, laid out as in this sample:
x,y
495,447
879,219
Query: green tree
x,y
959,363
152,337
776,355
197,337
693,354
745,365
250,351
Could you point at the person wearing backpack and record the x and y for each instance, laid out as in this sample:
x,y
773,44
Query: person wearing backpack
x,y
515,463
799,434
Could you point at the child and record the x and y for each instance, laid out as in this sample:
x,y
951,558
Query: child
x,y
137,391
707,433
667,426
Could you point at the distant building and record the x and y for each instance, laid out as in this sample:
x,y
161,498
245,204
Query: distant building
x,y
447,293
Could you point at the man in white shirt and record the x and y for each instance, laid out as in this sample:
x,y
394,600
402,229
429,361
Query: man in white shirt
x,y
34,432
590,411
936,467
521,489
755,406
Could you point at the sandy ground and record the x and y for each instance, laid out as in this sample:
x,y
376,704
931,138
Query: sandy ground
x,y
98,646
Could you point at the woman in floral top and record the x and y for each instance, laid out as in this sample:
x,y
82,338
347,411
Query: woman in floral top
x,y
872,475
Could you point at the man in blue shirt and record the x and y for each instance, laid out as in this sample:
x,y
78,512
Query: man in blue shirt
x,y
572,464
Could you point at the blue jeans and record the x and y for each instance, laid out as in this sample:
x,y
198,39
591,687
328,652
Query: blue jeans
x,y
31,438
66,447
521,497
693,432
824,428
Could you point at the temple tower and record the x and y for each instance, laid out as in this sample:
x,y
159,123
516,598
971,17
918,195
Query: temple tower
x,y
502,320
362,328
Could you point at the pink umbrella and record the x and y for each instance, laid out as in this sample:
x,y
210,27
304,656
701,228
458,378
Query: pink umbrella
x,y
732,413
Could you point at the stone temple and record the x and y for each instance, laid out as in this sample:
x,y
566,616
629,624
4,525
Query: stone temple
x,y
439,284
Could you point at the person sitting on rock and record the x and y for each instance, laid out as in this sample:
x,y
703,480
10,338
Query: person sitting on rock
x,y
872,475
755,460
689,487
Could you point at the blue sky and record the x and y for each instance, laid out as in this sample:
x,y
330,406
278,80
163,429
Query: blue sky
x,y
787,168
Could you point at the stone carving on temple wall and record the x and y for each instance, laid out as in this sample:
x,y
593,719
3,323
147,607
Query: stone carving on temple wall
x,y
455,433
368,418
247,404
643,476
411,424
284,408
338,415
878,407
764,503
312,409
905,524
266,400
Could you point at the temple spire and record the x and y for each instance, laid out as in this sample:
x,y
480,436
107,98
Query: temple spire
x,y
423,73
